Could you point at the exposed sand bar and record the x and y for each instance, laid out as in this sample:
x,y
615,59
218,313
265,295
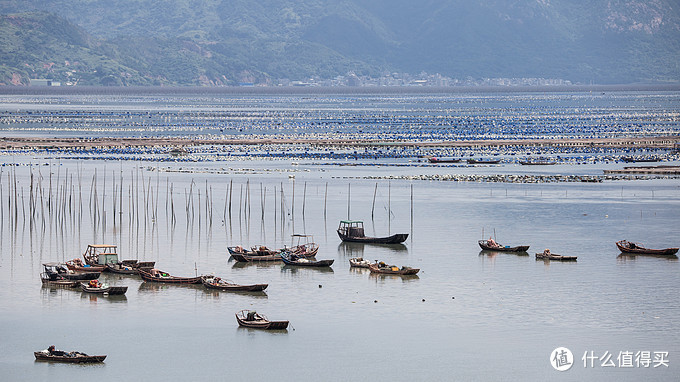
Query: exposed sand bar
x,y
660,170
66,143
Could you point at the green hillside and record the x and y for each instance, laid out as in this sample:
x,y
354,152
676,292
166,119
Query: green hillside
x,y
215,42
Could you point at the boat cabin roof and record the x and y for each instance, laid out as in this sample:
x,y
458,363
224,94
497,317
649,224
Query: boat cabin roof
x,y
53,265
102,246
351,222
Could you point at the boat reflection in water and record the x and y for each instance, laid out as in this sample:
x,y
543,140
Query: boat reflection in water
x,y
352,249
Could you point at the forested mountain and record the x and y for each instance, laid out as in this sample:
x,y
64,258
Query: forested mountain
x,y
227,42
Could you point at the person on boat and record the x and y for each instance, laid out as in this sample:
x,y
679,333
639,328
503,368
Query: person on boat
x,y
546,252
94,284
492,243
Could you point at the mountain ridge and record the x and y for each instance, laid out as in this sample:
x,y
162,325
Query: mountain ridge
x,y
217,43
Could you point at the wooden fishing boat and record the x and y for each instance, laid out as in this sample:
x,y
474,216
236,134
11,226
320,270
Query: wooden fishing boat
x,y
359,262
59,271
70,357
59,282
628,247
245,258
553,256
104,254
304,247
353,231
486,245
213,282
537,162
155,275
76,265
383,268
94,286
121,268
100,254
292,259
252,319
483,161
443,160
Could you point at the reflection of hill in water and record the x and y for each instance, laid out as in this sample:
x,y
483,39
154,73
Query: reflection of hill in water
x,y
349,249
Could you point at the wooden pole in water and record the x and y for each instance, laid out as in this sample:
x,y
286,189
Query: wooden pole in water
x,y
375,192
325,198
349,192
304,199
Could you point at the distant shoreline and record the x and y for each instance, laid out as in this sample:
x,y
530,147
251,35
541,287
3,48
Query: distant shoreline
x,y
13,143
301,90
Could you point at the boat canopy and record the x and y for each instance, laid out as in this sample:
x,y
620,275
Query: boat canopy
x,y
102,246
351,222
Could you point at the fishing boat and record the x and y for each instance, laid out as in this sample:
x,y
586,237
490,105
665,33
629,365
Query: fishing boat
x,y
59,282
483,161
490,245
103,254
629,247
246,258
547,255
353,231
121,268
54,355
537,162
158,276
252,319
290,258
443,160
302,245
359,262
59,271
382,268
213,282
95,287
77,265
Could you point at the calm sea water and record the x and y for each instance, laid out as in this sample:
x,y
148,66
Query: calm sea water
x,y
468,315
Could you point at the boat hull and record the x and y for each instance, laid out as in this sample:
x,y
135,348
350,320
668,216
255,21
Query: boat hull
x,y
540,256
146,276
394,239
111,291
384,271
233,287
520,248
40,356
624,248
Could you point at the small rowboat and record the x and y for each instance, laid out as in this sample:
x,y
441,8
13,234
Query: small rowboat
x,y
552,256
155,275
383,268
359,262
121,268
291,259
252,319
59,282
245,258
110,290
77,265
443,160
58,271
212,282
484,244
637,249
70,357
483,161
